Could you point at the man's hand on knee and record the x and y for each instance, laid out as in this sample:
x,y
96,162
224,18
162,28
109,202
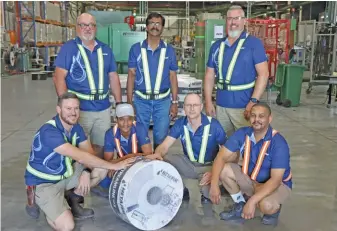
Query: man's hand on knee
x,y
83,187
206,179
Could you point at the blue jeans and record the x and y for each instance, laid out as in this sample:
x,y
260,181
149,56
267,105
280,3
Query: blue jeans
x,y
160,112
105,183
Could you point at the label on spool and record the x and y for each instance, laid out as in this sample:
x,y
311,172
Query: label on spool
x,y
147,195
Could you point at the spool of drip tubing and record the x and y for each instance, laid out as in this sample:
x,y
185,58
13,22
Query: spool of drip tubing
x,y
146,195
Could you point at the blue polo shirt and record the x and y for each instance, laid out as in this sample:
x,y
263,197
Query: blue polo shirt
x,y
135,61
277,155
244,72
126,142
70,59
216,137
43,157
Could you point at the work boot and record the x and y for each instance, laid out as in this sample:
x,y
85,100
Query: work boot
x,y
186,196
205,200
100,191
76,209
31,207
234,213
271,219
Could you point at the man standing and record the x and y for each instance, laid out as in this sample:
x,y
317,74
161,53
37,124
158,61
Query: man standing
x,y
265,175
128,139
86,67
56,163
200,137
240,63
152,77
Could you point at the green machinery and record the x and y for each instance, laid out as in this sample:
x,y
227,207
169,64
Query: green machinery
x,y
207,32
120,38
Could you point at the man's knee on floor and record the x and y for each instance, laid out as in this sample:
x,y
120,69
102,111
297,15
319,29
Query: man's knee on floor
x,y
268,207
65,222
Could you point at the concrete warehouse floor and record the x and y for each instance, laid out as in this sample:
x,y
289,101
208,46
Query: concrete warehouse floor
x,y
311,131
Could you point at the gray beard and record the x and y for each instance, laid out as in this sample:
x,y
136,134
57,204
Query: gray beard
x,y
234,33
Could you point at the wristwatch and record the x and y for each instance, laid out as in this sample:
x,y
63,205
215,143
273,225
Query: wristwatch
x,y
87,170
254,100
175,101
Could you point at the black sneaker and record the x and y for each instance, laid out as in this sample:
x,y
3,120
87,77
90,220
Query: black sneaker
x,y
234,213
271,219
205,200
186,196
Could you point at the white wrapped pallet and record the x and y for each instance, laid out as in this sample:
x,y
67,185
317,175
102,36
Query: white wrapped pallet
x,y
30,8
30,35
187,84
53,12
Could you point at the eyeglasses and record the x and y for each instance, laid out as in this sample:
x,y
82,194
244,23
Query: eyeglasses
x,y
235,18
83,25
190,106
155,23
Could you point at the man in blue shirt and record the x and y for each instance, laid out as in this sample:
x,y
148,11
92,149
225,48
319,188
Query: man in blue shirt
x,y
152,80
128,139
86,66
200,137
239,62
59,152
265,175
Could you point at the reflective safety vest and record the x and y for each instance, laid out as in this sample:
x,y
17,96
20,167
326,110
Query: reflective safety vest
x,y
204,142
118,143
246,158
155,94
95,95
68,162
225,85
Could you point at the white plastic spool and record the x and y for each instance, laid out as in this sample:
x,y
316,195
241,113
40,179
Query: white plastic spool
x,y
147,195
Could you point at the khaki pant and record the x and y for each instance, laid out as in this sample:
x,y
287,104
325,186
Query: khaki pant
x,y
95,124
50,196
231,119
190,170
247,186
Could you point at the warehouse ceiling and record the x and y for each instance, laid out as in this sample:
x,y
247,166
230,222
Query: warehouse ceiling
x,y
176,7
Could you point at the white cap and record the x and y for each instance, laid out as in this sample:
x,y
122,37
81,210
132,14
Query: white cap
x,y
124,110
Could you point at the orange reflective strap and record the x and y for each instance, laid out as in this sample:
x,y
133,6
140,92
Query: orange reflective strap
x,y
118,143
260,158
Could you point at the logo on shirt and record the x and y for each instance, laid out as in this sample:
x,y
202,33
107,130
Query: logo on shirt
x,y
77,68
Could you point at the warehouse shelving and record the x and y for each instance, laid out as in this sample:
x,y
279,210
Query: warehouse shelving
x,y
33,18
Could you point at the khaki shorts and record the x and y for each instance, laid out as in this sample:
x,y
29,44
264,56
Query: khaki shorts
x,y
95,124
231,119
247,186
50,197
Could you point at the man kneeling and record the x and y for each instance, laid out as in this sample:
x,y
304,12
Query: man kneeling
x,y
59,152
201,136
265,175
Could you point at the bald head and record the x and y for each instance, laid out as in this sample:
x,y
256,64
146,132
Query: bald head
x,y
193,106
85,17
86,27
192,97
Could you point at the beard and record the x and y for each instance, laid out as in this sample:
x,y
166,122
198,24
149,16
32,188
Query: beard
x,y
67,120
87,37
234,33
